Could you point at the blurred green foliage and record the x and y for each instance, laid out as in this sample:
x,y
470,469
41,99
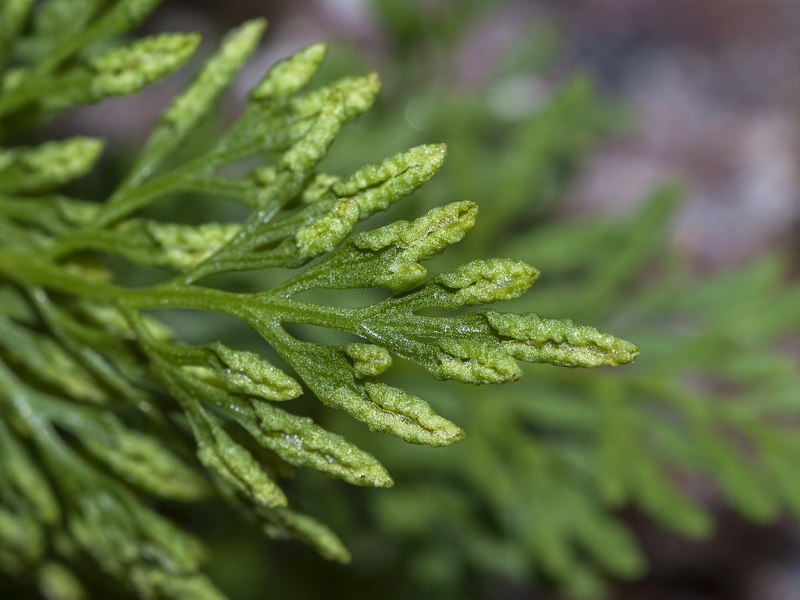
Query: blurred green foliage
x,y
533,498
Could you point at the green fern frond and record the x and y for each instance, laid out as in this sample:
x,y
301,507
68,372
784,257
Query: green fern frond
x,y
88,438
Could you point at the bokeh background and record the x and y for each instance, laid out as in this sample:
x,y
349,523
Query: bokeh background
x,y
712,90
702,94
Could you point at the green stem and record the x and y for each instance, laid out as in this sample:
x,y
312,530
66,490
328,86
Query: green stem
x,y
30,270
129,199
259,311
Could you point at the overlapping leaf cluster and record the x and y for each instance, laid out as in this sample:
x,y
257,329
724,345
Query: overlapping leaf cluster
x,y
88,438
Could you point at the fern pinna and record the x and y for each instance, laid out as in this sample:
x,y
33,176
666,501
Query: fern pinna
x,y
88,440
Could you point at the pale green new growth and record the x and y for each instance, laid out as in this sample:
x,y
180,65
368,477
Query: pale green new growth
x,y
248,373
127,70
375,185
417,241
47,166
300,442
324,234
425,426
290,75
86,374
229,460
559,341
487,281
472,361
368,359
238,371
358,94
180,245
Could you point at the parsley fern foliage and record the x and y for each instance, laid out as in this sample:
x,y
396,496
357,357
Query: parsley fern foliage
x,y
89,438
